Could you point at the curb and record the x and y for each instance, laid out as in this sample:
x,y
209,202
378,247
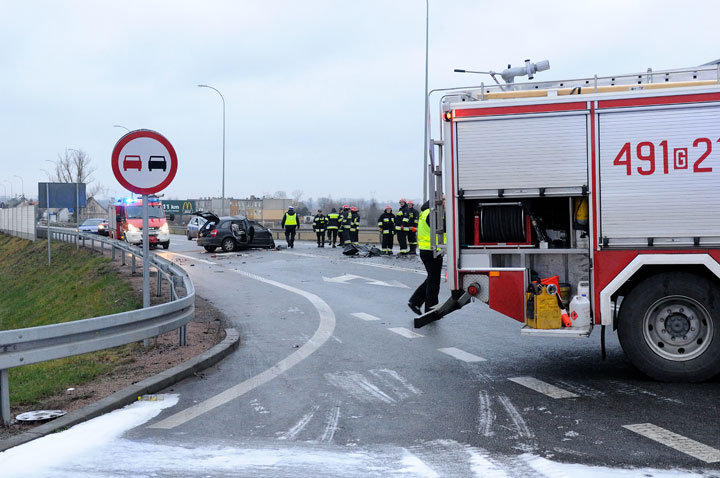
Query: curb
x,y
129,394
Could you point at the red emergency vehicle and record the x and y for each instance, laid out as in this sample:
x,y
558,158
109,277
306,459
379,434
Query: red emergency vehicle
x,y
126,223
612,184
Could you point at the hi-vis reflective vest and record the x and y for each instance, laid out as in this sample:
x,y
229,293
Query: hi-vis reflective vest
x,y
291,219
424,233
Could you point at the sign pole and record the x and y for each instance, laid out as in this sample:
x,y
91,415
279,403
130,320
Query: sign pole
x,y
146,256
47,207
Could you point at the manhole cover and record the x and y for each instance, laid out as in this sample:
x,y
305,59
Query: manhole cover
x,y
40,415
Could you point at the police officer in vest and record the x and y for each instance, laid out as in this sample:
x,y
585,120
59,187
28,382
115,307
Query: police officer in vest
x,y
427,292
291,224
319,225
401,226
332,226
413,217
386,224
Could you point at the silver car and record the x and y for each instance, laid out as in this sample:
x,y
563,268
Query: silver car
x,y
191,231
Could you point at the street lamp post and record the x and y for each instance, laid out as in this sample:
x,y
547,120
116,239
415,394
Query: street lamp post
x,y
22,185
223,144
427,104
11,191
47,211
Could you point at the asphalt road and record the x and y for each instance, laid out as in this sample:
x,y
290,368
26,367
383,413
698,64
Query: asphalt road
x,y
331,380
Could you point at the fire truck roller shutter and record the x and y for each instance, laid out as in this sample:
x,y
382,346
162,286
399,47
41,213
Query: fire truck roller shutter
x,y
534,151
659,173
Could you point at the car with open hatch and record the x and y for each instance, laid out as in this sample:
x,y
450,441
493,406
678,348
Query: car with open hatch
x,y
232,233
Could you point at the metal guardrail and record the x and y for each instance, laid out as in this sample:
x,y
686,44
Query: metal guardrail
x,y
48,342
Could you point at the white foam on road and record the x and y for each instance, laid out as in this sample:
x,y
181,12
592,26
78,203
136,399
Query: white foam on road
x,y
293,432
542,387
461,354
407,333
86,439
358,386
677,442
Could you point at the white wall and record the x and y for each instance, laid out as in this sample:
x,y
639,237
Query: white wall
x,y
18,221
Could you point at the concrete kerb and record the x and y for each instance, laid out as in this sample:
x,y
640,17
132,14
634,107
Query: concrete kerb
x,y
130,394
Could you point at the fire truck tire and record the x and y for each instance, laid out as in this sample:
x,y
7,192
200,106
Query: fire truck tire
x,y
228,244
669,327
210,248
165,245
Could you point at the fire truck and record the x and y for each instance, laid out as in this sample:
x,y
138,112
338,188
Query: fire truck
x,y
605,188
126,223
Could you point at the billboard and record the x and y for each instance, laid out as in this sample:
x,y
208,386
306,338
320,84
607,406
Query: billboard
x,y
62,195
179,207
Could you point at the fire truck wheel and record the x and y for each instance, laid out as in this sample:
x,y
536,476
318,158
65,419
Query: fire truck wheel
x,y
165,245
228,244
669,327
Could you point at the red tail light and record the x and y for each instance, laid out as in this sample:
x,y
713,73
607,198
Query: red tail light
x,y
213,233
473,289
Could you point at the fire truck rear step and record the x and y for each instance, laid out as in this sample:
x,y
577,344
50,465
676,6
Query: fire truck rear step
x,y
570,332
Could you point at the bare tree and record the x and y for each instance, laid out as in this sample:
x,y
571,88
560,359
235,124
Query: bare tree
x,y
280,194
297,195
75,166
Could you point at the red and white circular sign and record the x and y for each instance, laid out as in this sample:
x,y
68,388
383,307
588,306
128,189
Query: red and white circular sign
x,y
144,162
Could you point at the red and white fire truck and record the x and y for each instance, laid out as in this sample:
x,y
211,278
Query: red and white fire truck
x,y
126,223
612,181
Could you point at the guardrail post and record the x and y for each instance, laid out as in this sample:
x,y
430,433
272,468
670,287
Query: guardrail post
x,y
113,252
182,336
4,398
158,288
133,263
102,248
92,244
122,252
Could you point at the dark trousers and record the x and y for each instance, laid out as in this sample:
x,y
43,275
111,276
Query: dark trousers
x,y
290,235
427,292
412,241
387,242
346,236
320,237
402,241
332,236
354,236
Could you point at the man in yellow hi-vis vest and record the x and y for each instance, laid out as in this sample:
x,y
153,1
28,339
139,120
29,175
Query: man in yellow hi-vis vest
x,y
291,224
427,292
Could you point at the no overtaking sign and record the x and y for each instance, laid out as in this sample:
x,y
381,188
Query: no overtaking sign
x,y
144,162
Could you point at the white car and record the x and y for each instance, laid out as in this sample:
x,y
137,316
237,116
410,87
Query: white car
x,y
191,231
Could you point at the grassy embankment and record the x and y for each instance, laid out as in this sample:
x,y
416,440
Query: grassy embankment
x,y
78,285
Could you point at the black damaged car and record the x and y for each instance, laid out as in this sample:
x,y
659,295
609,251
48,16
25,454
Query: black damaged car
x,y
232,233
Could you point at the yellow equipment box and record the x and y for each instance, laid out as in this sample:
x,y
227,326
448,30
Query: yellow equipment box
x,y
546,312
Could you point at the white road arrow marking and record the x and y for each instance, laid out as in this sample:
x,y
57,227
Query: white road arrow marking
x,y
345,278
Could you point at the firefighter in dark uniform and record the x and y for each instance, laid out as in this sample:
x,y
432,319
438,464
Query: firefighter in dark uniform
x,y
355,226
413,216
291,223
319,224
332,226
345,224
386,224
402,224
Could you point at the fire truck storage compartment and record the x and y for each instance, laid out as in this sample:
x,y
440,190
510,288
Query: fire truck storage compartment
x,y
515,154
660,175
547,222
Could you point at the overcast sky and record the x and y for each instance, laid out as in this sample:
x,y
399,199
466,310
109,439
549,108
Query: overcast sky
x,y
322,96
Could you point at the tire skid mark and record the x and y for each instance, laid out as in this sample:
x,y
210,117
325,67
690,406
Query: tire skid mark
x,y
635,391
332,423
384,375
580,389
293,432
518,422
486,416
358,386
